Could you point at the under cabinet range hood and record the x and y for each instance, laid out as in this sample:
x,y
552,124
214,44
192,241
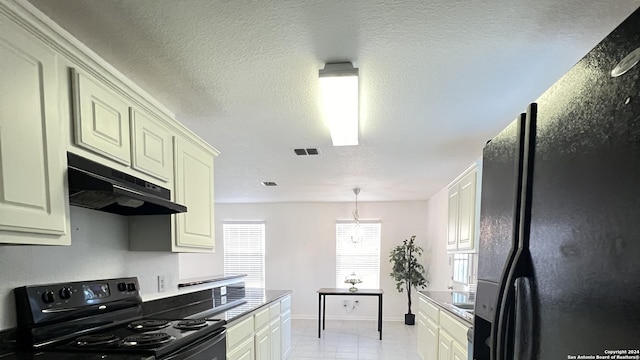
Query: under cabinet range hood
x,y
96,186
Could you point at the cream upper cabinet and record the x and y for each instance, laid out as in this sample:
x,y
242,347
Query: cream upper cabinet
x,y
101,119
463,218
152,146
32,161
452,219
194,189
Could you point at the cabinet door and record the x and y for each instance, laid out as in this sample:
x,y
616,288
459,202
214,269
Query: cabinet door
x,y
244,351
263,343
452,224
194,189
422,335
101,119
445,341
152,146
285,324
431,340
459,352
32,159
467,204
276,339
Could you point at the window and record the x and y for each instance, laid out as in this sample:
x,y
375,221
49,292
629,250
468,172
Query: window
x,y
362,258
244,251
461,265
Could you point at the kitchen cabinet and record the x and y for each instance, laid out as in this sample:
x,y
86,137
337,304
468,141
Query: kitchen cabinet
x,y
101,118
33,205
194,189
263,343
459,353
244,351
269,331
441,336
463,218
445,343
240,340
152,146
285,325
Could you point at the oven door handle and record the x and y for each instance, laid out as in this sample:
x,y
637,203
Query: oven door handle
x,y
211,343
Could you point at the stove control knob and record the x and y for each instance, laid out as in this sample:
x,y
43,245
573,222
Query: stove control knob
x,y
122,286
131,287
65,293
48,297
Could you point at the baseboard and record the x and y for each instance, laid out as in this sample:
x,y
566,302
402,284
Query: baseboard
x,y
355,318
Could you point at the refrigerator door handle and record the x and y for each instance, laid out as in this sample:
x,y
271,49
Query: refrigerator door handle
x,y
523,334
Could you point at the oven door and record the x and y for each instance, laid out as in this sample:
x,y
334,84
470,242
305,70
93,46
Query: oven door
x,y
212,347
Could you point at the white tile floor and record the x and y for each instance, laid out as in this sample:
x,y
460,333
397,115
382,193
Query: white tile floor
x,y
353,340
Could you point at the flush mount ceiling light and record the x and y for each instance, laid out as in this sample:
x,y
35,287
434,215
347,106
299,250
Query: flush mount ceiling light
x,y
339,91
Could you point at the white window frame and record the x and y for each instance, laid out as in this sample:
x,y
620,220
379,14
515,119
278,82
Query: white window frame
x,y
461,268
370,247
244,251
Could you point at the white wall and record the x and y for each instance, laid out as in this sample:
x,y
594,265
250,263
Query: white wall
x,y
99,250
300,250
435,245
300,253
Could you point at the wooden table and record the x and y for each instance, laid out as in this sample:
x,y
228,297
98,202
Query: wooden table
x,y
322,302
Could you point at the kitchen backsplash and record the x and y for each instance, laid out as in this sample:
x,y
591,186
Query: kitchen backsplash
x,y
99,250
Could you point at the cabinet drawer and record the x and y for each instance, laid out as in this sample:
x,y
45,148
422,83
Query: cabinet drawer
x,y
240,331
274,310
285,303
431,310
454,327
262,318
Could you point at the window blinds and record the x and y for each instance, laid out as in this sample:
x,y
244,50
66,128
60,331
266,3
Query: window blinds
x,y
363,258
244,252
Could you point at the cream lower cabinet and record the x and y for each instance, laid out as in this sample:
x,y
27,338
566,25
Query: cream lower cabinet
x,y
285,325
32,160
269,330
440,335
240,340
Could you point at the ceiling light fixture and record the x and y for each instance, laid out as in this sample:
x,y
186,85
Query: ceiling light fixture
x,y
356,233
339,90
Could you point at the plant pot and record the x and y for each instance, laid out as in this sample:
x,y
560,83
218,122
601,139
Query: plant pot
x,y
409,319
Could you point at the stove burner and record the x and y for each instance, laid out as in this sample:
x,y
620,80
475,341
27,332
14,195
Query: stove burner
x,y
147,339
96,340
148,325
191,324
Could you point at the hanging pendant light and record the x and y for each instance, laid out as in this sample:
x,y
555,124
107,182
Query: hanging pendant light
x,y
356,234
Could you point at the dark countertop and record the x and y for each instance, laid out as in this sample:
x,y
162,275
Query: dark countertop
x,y
207,279
204,305
255,299
445,299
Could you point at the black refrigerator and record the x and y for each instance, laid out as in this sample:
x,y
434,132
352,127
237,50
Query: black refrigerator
x,y
559,256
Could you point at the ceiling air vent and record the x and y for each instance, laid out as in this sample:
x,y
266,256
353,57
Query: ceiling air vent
x,y
308,151
269,183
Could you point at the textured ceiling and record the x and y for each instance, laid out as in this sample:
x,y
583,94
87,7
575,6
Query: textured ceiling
x,y
437,80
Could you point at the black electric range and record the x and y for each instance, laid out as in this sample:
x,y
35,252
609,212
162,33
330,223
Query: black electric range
x,y
103,318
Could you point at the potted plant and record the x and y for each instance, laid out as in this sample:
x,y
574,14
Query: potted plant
x,y
407,271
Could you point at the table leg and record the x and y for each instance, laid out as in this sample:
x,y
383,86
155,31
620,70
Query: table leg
x,y
319,313
324,310
380,315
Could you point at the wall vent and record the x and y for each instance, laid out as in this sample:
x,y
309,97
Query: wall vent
x,y
269,183
307,151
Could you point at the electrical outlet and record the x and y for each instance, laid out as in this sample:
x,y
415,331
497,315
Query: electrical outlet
x,y
161,284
